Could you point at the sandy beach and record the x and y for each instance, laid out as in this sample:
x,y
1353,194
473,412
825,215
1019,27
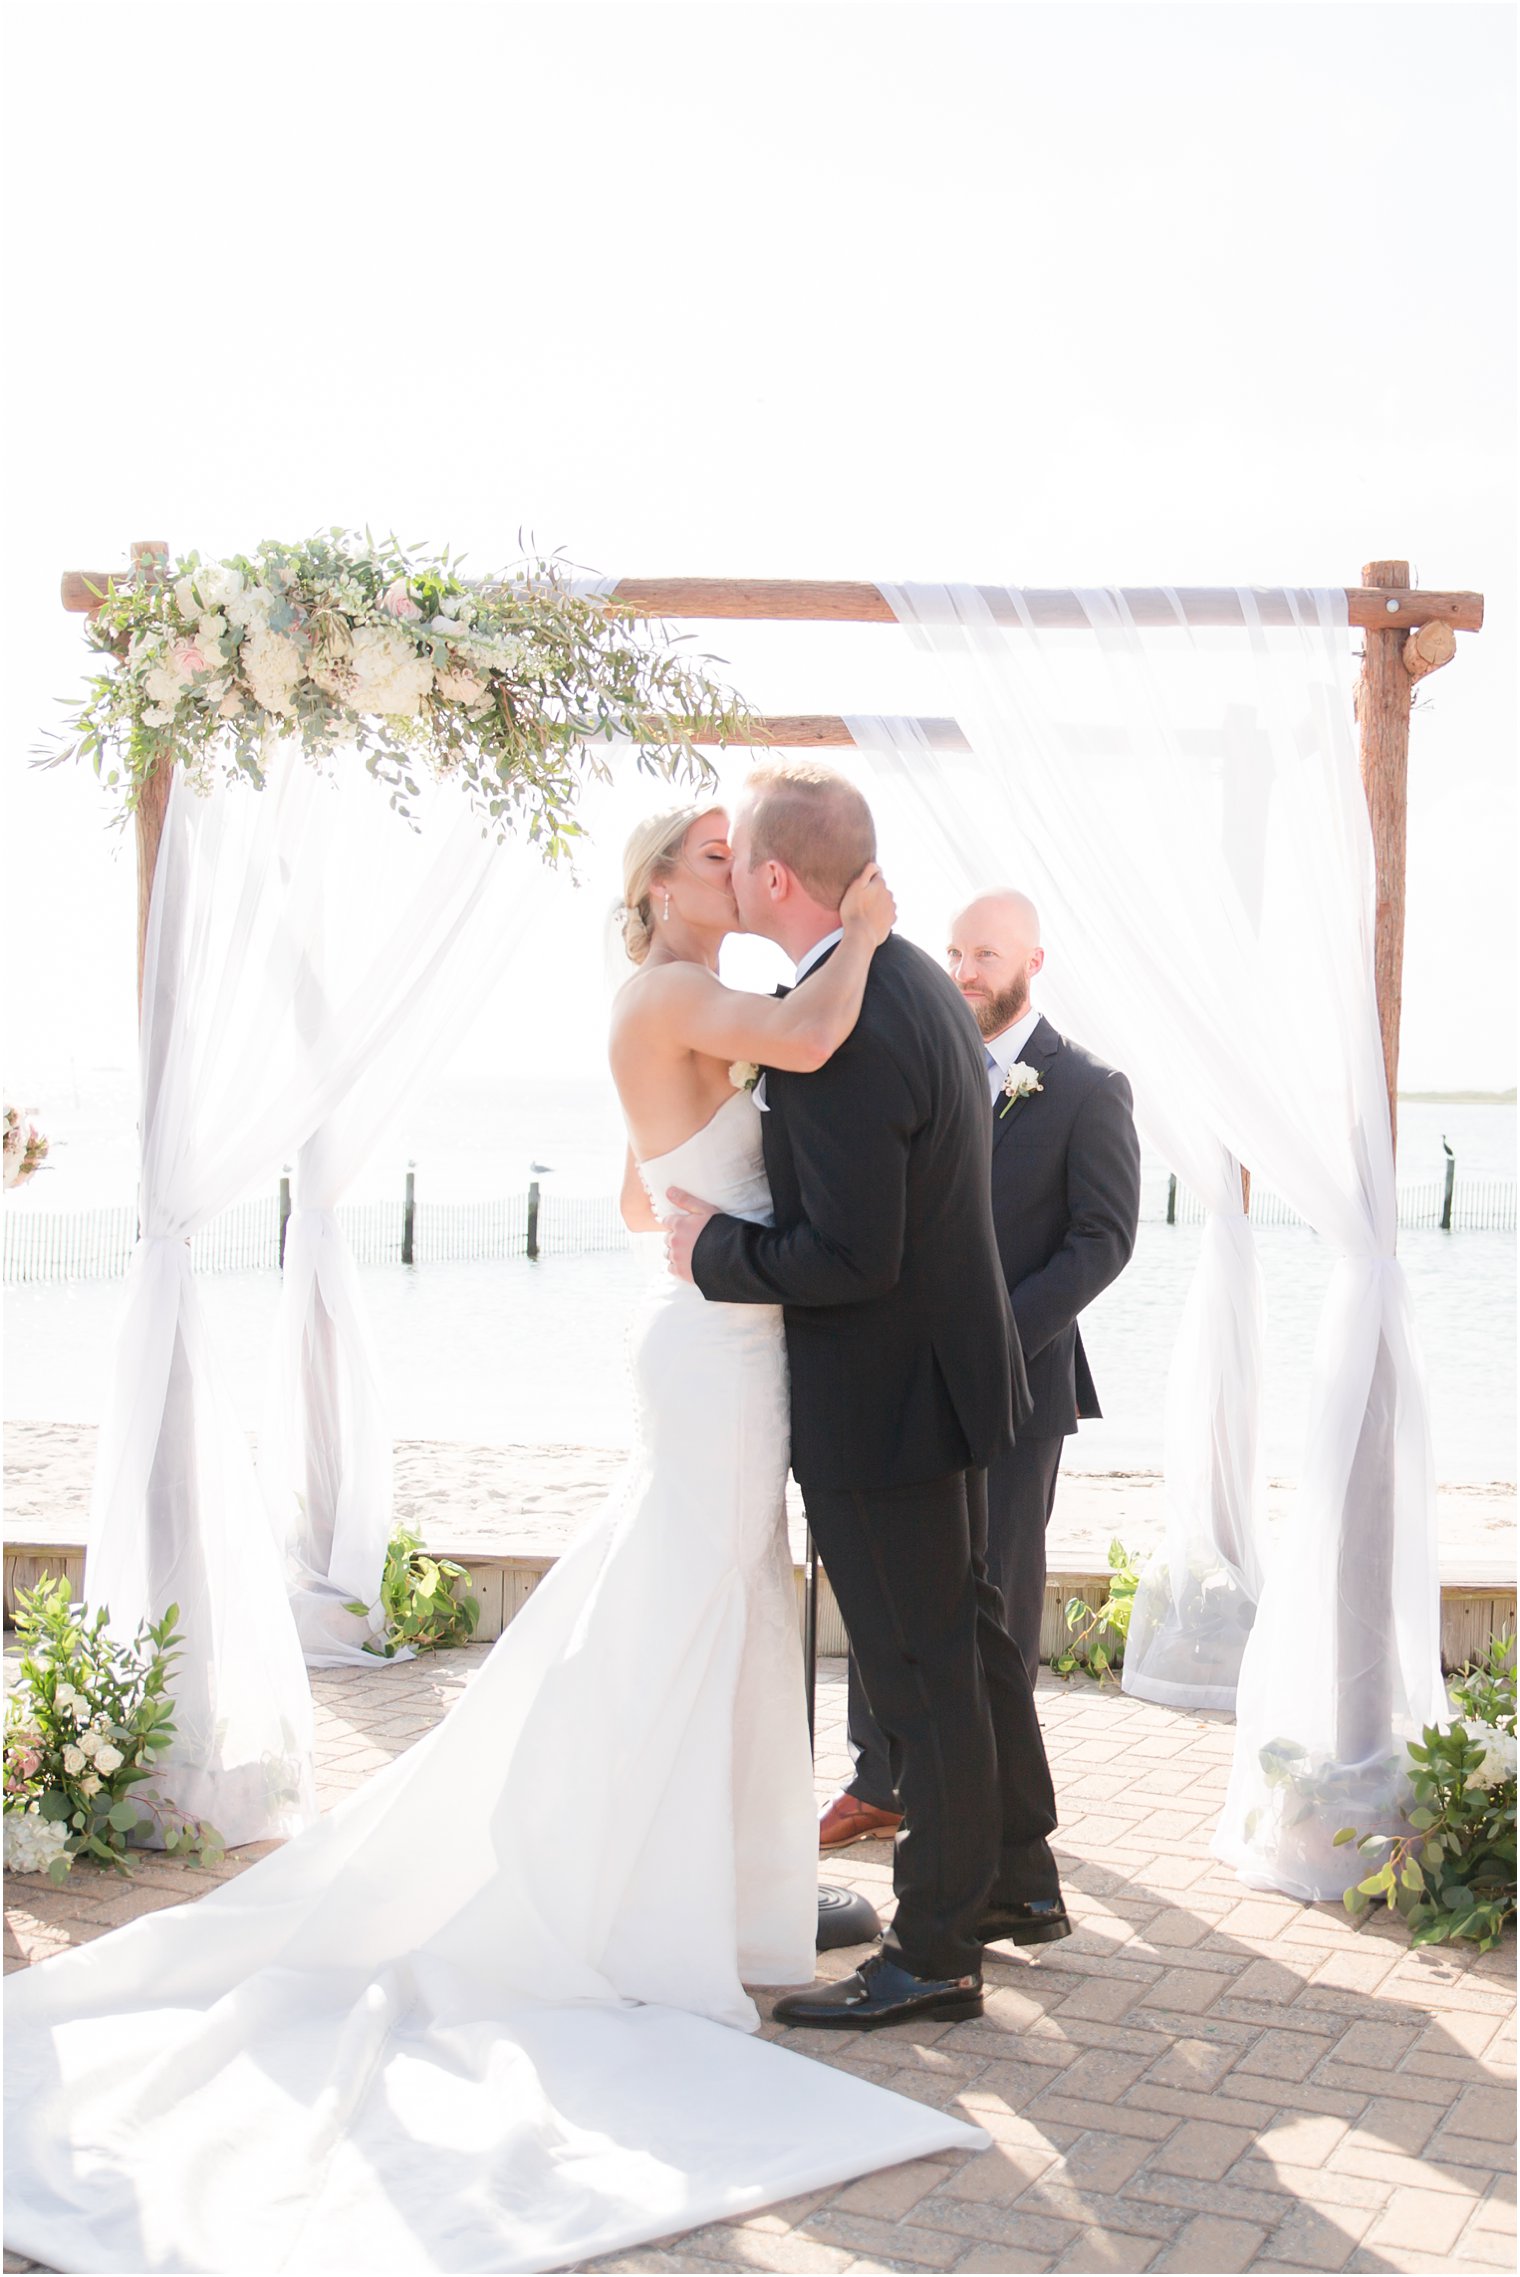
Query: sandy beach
x,y
524,1500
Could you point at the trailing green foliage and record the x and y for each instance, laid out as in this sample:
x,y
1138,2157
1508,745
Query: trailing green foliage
x,y
427,1601
84,1728
514,683
1452,1876
1091,1625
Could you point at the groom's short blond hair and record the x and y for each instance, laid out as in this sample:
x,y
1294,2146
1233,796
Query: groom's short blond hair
x,y
812,821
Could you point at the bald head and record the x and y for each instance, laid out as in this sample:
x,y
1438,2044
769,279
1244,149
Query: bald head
x,y
993,955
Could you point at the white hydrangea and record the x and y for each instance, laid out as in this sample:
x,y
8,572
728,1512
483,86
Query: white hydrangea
x,y
1498,1764
32,1842
501,652
272,667
383,673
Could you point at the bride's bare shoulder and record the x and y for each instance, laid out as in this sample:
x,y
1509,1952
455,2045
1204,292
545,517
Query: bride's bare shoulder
x,y
649,996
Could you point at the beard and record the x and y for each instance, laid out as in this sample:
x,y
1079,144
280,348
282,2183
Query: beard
x,y
995,1013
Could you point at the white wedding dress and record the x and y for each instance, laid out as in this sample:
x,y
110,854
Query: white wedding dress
x,y
489,2013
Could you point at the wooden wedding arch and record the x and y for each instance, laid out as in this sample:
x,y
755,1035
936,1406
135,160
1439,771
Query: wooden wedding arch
x,y
1408,632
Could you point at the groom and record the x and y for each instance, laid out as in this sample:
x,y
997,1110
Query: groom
x,y
905,1373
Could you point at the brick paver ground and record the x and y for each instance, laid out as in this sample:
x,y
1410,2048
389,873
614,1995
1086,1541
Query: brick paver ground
x,y
1201,2078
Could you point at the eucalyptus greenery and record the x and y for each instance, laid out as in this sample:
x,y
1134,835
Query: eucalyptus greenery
x,y
1452,1876
428,1602
84,1729
1090,1625
514,683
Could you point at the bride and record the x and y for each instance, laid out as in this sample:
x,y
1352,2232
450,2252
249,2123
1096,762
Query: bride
x,y
490,2012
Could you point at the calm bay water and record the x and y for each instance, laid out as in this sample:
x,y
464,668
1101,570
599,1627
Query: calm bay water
x,y
512,1351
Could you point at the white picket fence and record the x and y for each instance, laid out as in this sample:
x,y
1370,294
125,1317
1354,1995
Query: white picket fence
x,y
90,1245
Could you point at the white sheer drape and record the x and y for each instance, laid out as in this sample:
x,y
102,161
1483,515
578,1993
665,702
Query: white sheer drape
x,y
1197,1604
252,1050
176,1516
406,956
1185,800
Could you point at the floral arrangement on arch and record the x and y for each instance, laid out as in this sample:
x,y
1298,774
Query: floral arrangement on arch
x,y
26,1146
344,643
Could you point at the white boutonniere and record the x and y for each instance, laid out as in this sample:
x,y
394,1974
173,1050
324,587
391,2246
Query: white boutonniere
x,y
1017,1084
744,1075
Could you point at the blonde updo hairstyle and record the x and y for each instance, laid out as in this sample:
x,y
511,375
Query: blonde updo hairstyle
x,y
652,851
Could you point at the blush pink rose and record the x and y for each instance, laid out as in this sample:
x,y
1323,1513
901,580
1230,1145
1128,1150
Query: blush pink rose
x,y
189,657
399,602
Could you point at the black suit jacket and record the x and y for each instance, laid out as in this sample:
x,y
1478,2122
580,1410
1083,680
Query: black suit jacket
x,y
1065,1201
904,1358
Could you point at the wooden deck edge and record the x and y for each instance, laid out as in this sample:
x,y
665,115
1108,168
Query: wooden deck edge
x,y
1471,1612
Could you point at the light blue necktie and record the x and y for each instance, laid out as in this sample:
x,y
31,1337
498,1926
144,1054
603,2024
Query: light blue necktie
x,y
993,1070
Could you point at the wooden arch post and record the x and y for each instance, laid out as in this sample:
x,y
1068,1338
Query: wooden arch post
x,y
153,799
1384,698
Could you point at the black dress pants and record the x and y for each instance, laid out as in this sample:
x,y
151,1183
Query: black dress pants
x,y
1021,1493
949,1690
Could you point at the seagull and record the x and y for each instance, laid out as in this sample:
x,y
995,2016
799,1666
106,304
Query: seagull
x,y
543,1169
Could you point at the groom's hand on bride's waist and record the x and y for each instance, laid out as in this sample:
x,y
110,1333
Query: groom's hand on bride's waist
x,y
682,1233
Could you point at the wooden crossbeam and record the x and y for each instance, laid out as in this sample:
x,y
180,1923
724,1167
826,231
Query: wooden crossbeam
x,y
814,601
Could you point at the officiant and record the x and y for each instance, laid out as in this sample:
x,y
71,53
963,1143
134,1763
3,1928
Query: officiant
x,y
1065,1203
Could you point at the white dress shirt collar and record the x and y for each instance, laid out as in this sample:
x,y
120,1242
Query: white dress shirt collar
x,y
1008,1047
819,949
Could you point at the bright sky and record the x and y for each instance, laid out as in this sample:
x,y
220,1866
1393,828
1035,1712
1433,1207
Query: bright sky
x,y
1038,294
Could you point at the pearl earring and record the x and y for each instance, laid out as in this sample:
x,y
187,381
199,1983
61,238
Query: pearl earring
x,y
667,909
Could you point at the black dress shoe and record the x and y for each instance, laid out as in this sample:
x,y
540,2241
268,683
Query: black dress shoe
x,y
881,1993
1040,1921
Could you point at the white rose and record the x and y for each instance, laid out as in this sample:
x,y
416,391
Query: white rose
x,y
165,685
744,1075
64,1695
184,597
109,1759
250,606
89,1786
74,1761
90,1742
230,705
464,687
217,585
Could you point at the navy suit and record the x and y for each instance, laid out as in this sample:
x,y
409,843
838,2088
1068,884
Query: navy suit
x,y
1065,1203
